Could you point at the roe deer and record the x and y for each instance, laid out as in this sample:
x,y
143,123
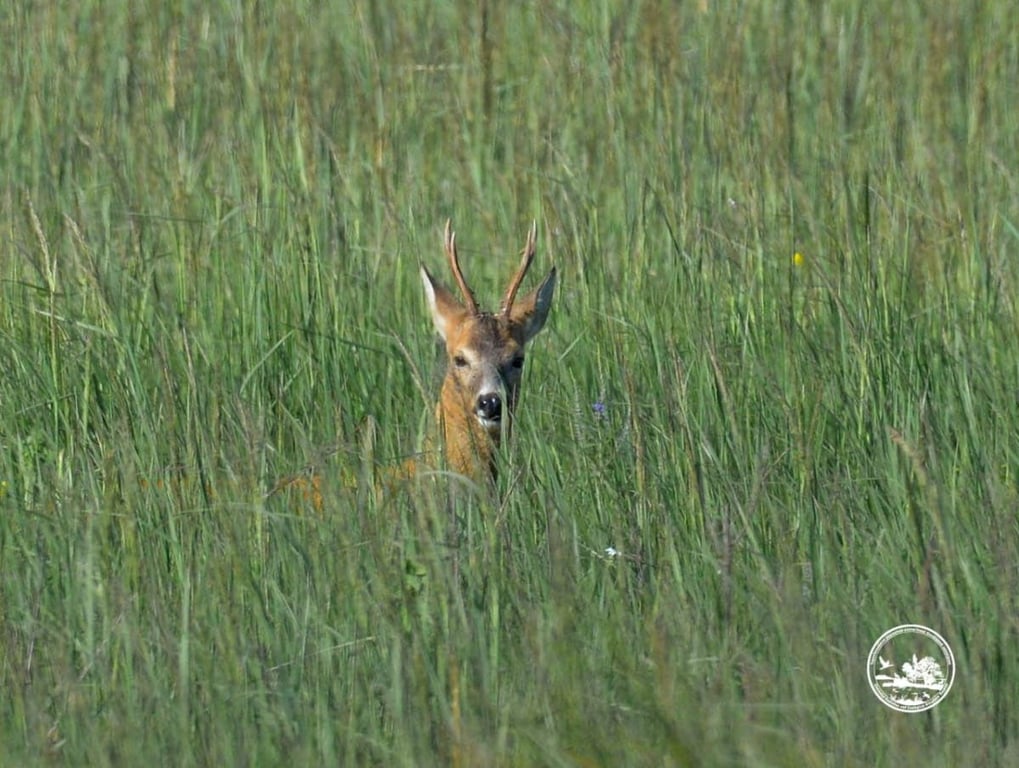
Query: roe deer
x,y
485,354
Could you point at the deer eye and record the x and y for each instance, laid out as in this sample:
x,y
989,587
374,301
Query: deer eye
x,y
518,362
460,361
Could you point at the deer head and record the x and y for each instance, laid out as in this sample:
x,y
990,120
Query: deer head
x,y
485,354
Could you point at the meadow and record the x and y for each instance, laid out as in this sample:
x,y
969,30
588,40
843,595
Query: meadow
x,y
775,411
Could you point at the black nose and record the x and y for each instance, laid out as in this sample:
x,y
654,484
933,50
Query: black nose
x,y
490,407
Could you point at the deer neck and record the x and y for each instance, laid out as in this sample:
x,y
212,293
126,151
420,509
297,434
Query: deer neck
x,y
469,448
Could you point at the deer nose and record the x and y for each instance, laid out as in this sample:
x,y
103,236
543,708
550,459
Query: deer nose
x,y
490,406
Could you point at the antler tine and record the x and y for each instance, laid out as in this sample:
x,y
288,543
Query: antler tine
x,y
525,264
454,263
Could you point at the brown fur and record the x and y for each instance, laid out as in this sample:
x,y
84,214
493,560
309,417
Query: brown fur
x,y
485,354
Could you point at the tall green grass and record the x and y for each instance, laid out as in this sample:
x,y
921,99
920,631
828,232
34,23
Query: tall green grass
x,y
213,216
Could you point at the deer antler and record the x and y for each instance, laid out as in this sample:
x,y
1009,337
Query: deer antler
x,y
525,264
454,263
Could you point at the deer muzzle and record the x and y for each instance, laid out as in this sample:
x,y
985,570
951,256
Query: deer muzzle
x,y
488,409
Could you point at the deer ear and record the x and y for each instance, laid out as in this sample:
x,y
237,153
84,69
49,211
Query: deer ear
x,y
531,312
446,310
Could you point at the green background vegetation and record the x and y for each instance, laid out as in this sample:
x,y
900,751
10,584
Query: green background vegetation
x,y
212,219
